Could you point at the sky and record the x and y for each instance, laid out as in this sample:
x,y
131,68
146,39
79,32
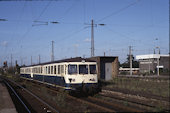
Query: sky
x,y
28,31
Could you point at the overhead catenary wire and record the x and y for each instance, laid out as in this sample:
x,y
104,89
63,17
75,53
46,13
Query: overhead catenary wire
x,y
118,11
127,37
61,39
124,35
27,0
30,28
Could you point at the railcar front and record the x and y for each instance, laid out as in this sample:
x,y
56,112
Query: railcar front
x,y
82,76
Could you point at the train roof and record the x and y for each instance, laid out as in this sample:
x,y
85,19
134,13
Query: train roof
x,y
77,59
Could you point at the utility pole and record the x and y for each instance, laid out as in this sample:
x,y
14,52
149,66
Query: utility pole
x,y
158,60
130,58
31,60
11,60
52,51
149,65
158,66
92,38
39,59
21,61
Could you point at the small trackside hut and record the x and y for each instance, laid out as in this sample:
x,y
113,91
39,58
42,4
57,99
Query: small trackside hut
x,y
108,66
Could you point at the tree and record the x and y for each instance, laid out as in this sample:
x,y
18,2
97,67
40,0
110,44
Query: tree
x,y
5,64
126,64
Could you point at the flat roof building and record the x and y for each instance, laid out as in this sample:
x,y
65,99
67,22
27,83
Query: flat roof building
x,y
150,63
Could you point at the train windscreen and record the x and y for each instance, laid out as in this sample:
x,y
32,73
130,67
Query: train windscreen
x,y
92,69
72,69
83,69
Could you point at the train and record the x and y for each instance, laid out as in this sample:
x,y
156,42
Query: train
x,y
74,74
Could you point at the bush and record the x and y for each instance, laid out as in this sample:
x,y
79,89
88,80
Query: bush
x,y
123,73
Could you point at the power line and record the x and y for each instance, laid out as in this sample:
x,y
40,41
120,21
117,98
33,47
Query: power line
x,y
30,28
27,0
120,10
45,8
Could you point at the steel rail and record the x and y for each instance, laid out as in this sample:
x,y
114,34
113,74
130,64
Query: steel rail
x,y
120,108
83,101
50,107
17,96
92,104
139,100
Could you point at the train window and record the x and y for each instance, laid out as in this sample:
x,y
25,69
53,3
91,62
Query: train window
x,y
62,69
92,69
51,69
83,69
55,69
58,69
35,70
48,69
38,69
65,69
72,69
41,69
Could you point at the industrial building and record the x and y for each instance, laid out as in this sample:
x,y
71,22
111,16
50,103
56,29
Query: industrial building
x,y
153,63
108,66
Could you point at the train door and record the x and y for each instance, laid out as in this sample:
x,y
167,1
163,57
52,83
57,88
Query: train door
x,y
108,71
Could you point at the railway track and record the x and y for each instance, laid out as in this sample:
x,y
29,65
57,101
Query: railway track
x,y
21,106
145,95
30,102
143,103
95,104
112,105
91,106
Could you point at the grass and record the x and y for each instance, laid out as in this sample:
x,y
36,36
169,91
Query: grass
x,y
148,86
61,99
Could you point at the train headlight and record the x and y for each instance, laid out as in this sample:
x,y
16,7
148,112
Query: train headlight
x,y
92,79
71,80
